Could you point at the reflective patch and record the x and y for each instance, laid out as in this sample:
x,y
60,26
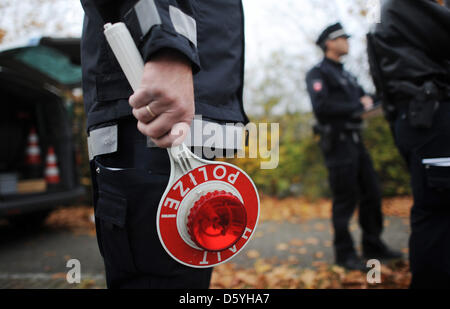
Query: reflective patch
x,y
184,24
147,15
102,141
205,133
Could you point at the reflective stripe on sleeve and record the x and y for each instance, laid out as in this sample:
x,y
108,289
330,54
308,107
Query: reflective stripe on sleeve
x,y
144,15
184,24
147,15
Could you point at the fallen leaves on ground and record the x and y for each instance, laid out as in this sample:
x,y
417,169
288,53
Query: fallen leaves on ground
x,y
265,275
294,210
253,254
398,206
297,209
76,219
269,272
282,246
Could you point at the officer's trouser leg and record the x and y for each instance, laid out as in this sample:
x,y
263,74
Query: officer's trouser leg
x,y
430,215
127,188
370,214
343,183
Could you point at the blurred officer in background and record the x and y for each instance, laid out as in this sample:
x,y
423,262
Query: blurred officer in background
x,y
338,103
409,53
186,45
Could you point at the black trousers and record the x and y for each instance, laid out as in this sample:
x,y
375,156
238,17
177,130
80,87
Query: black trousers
x,y
353,181
127,188
429,245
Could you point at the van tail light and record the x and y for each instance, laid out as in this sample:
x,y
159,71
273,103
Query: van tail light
x,y
217,221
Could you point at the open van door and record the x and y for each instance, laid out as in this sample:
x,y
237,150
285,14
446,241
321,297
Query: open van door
x,y
38,169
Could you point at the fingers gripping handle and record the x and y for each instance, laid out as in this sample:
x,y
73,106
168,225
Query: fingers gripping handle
x,y
126,52
130,60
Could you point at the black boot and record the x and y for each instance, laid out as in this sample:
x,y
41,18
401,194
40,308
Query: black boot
x,y
352,262
383,254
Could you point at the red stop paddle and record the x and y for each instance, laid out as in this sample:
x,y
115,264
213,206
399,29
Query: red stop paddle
x,y
209,210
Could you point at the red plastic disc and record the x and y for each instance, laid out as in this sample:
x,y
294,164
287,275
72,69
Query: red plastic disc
x,y
217,221
207,243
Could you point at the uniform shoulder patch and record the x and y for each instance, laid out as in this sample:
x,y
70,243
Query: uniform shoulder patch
x,y
317,85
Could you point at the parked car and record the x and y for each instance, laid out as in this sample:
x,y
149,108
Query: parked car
x,y
38,161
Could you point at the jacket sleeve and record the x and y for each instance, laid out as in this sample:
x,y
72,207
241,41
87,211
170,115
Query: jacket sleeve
x,y
322,103
156,24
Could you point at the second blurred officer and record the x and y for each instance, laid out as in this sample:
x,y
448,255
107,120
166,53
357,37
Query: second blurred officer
x,y
338,103
409,53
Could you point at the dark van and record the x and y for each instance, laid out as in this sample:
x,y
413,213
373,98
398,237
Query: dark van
x,y
38,160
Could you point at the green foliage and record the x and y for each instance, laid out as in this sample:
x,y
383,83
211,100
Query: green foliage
x,y
301,169
390,166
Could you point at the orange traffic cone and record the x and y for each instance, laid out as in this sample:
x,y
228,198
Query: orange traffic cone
x,y
33,155
51,169
33,150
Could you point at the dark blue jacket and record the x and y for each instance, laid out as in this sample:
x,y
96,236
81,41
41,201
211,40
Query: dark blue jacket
x,y
209,32
335,93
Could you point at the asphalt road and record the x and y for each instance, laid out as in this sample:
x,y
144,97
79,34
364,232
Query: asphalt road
x,y
38,259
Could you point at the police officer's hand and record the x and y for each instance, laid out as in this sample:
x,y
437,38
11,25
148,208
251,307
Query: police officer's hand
x,y
164,103
367,102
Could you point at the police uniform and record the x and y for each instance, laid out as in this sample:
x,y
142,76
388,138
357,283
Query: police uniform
x,y
409,53
129,177
335,96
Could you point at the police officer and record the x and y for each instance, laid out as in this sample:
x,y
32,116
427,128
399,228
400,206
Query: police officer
x,y
193,53
409,53
338,103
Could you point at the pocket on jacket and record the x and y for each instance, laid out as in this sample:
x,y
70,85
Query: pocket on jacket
x,y
111,212
434,156
135,194
437,178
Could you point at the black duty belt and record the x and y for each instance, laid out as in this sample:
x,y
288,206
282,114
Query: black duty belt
x,y
442,95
